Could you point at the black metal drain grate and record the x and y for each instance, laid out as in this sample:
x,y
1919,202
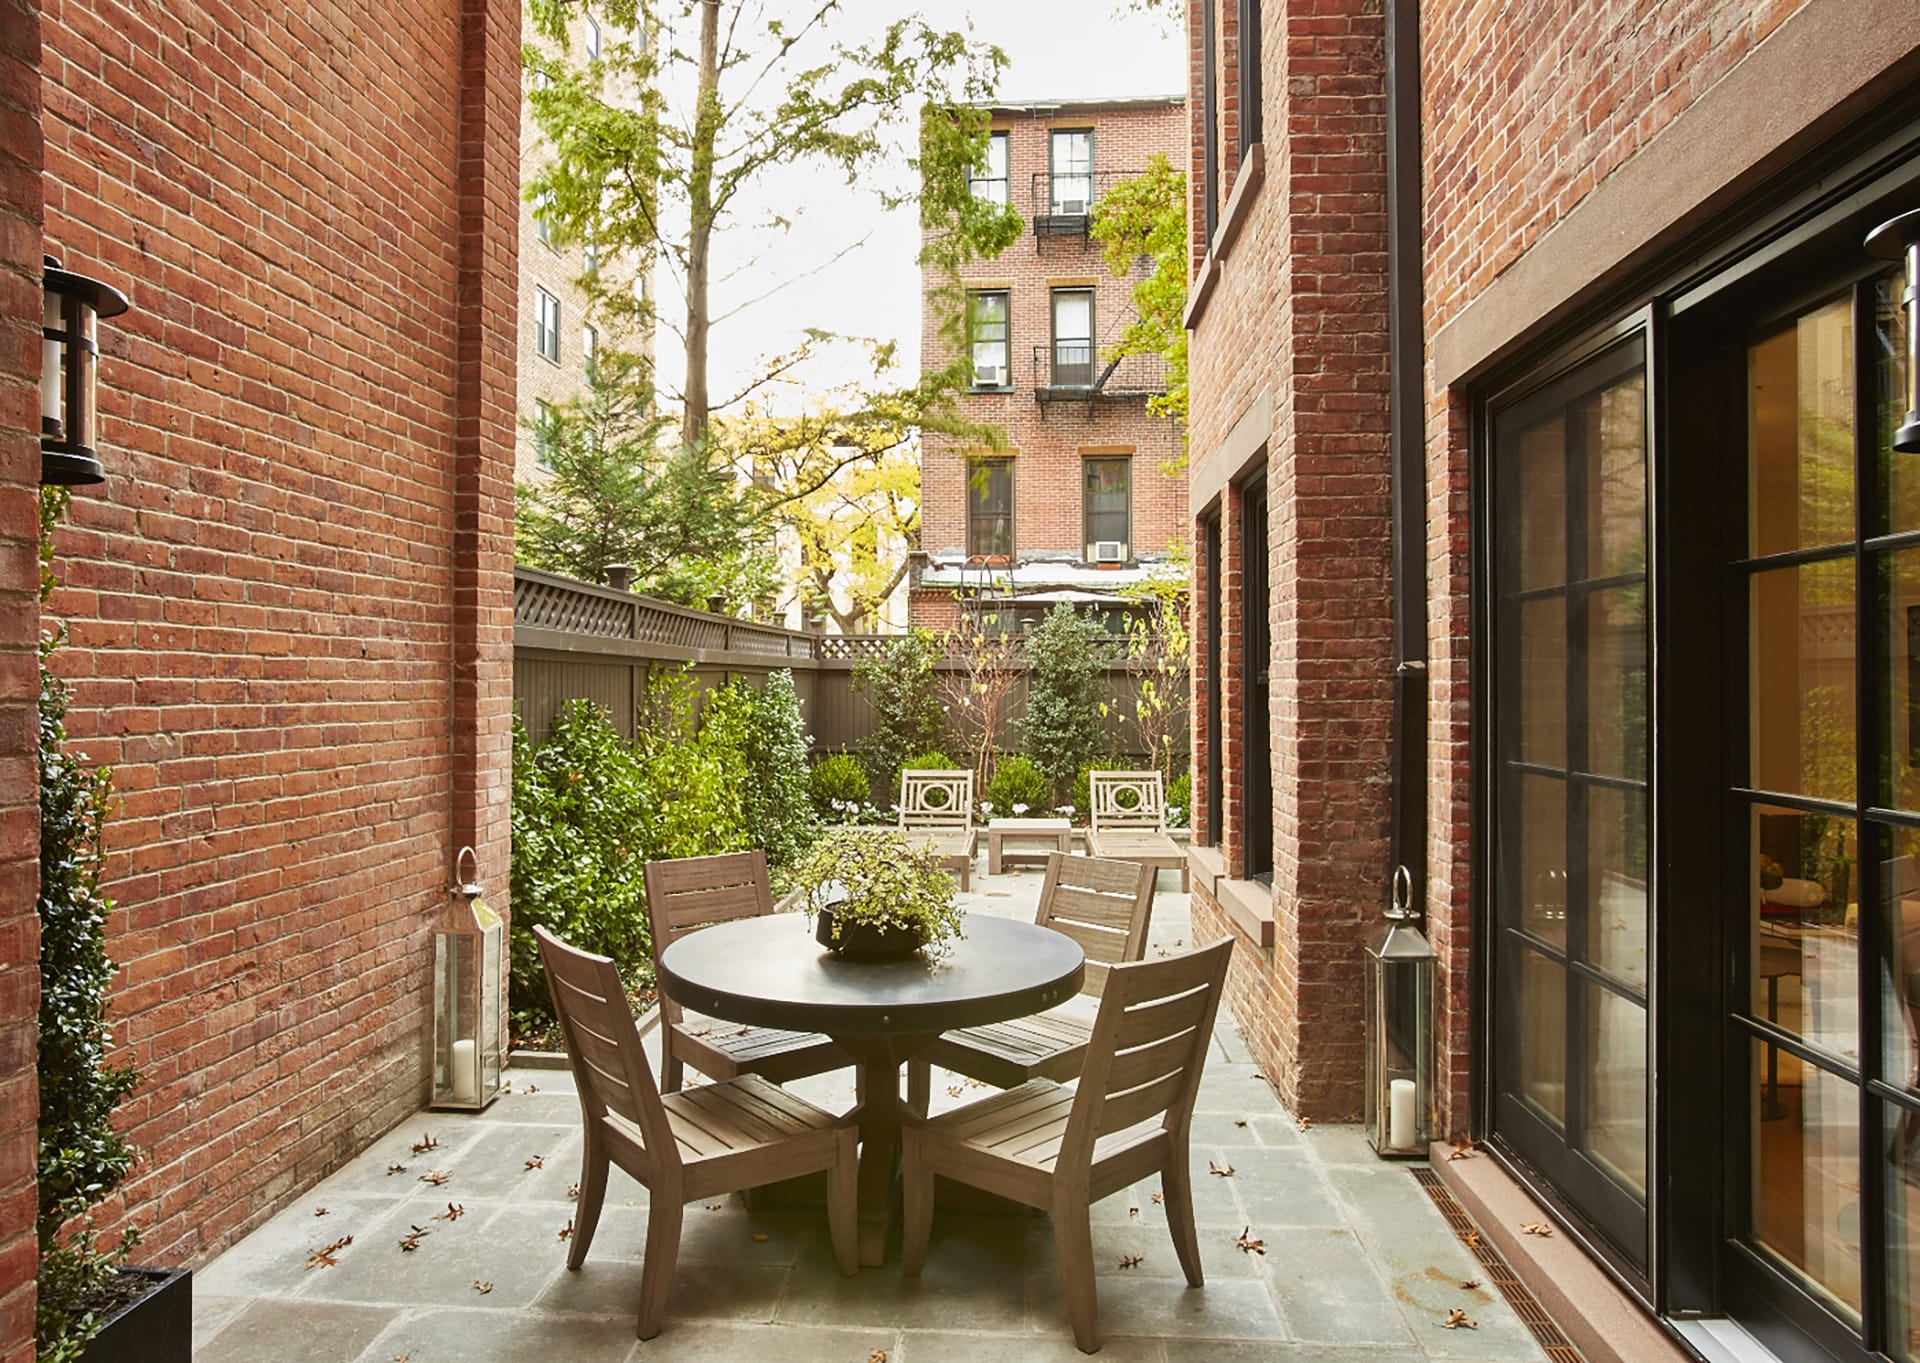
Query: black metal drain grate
x,y
1500,1277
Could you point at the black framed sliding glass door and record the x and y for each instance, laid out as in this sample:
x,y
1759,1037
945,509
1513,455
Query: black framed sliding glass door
x,y
1569,788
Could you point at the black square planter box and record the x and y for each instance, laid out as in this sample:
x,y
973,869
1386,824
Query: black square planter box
x,y
155,1328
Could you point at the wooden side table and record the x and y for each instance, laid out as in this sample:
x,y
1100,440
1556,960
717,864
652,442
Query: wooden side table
x,y
1055,833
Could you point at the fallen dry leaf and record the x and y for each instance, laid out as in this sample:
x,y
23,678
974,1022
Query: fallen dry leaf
x,y
877,1356
1163,951
1129,1261
1458,1320
396,1169
482,1288
1239,1121
537,1162
401,1358
566,1231
425,1143
1248,1245
759,1237
1303,1123
1462,1149
319,1211
453,1212
411,1240
1540,1228
573,1191
1470,1284
323,1258
533,1088
953,1090
1470,1238
1213,1168
1158,1198
436,1178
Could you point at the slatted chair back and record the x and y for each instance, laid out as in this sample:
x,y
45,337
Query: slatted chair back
x,y
603,1044
936,800
1103,905
1127,799
1148,1045
690,893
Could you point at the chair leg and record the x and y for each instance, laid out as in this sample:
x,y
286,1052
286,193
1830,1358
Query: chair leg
x,y
593,1191
919,1085
1176,1183
916,1219
843,1208
656,1275
1073,1246
672,1068
1184,874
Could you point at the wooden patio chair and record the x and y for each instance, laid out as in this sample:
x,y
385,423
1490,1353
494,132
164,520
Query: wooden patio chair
x,y
709,1141
690,893
1061,1149
936,810
1128,821
1105,906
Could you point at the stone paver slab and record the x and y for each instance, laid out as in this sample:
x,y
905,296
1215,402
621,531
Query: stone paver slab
x,y
295,1332
493,1336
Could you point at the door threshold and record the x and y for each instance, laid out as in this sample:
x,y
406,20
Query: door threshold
x,y
1719,1340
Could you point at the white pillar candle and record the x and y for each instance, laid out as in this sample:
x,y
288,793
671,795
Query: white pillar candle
x,y
466,1075
1400,1114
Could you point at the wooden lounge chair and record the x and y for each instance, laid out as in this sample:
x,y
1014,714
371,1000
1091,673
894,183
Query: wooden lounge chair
x,y
1105,907
712,1140
1062,1149
936,810
692,893
1128,821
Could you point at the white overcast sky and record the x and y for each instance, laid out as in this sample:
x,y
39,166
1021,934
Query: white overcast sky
x,y
1055,49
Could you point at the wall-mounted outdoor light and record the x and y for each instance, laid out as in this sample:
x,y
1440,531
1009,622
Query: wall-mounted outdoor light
x,y
69,370
1891,240
1399,1024
466,995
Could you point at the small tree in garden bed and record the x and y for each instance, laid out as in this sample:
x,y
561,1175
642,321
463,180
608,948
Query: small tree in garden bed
x,y
1065,720
976,691
1159,647
899,683
763,732
82,1158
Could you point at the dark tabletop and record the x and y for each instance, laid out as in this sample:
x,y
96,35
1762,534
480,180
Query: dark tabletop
x,y
769,972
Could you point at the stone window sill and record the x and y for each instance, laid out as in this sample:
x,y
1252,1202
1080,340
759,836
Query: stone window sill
x,y
1246,188
1247,904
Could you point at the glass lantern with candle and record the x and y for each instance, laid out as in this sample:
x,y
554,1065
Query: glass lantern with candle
x,y
467,947
1399,1026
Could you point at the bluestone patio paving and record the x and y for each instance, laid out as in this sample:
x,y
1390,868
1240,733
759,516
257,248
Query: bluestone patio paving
x,y
1358,1263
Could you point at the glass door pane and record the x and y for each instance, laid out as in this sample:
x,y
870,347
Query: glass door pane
x,y
1572,903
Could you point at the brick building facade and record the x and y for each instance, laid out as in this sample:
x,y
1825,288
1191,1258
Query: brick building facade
x,y
1081,500
1655,552
290,603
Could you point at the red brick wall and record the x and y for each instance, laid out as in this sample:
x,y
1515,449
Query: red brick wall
x,y
20,302
1048,441
1299,314
289,602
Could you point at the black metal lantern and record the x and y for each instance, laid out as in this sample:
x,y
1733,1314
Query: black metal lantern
x,y
1891,240
69,370
1399,1023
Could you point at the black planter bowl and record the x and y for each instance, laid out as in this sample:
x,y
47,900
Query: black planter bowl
x,y
866,941
155,1327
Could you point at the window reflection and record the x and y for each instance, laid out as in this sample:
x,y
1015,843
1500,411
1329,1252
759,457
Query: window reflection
x,y
1806,1173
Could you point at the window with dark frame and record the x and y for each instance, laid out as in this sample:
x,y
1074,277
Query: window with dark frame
x,y
1106,507
1212,626
1256,660
1249,74
989,181
990,508
988,336
1072,338
1209,119
546,324
1070,169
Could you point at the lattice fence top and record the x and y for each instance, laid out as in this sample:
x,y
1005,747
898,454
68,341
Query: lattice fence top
x,y
543,601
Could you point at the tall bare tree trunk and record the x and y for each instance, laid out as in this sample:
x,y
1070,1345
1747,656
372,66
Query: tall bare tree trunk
x,y
706,128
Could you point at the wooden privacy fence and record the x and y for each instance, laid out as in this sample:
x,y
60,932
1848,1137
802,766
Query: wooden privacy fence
x,y
574,639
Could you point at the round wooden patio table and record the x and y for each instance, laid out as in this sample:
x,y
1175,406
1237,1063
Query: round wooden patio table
x,y
769,972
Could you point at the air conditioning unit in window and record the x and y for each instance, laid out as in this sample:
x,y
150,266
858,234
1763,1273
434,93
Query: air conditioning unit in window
x,y
1109,551
989,376
1073,208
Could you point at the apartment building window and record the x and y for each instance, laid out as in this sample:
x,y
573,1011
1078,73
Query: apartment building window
x,y
987,322
989,182
590,254
990,507
543,433
546,324
1073,338
1249,73
1106,508
593,40
1070,164
543,217
589,345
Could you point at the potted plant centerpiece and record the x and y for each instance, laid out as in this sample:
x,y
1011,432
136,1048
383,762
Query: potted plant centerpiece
x,y
873,894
